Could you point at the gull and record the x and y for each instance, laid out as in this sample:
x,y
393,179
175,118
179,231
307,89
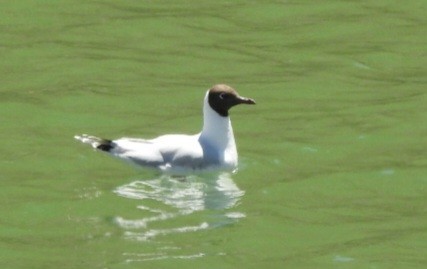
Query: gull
x,y
212,149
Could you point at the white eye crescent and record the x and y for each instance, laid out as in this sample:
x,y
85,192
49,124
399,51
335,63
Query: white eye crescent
x,y
222,95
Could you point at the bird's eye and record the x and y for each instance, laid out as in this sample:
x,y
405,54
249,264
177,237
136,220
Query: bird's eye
x,y
223,95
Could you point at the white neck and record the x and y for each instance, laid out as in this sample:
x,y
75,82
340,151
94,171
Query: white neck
x,y
217,129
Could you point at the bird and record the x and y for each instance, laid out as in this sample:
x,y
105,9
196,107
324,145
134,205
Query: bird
x,y
214,148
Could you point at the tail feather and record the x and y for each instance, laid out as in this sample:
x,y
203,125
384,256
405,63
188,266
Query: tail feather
x,y
96,142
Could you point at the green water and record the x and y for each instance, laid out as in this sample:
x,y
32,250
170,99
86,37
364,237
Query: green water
x,y
333,165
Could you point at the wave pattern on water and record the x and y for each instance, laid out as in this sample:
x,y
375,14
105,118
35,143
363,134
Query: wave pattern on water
x,y
168,199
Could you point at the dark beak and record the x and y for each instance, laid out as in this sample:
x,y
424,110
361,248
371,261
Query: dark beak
x,y
244,100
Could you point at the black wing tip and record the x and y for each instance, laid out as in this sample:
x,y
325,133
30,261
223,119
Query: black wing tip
x,y
105,145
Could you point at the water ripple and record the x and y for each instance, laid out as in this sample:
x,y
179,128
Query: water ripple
x,y
177,197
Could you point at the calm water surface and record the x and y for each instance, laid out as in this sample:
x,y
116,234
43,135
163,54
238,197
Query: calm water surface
x,y
333,166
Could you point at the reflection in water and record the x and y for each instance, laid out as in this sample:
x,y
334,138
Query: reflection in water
x,y
168,198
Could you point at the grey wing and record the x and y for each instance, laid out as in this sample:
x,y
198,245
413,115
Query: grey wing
x,y
139,151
